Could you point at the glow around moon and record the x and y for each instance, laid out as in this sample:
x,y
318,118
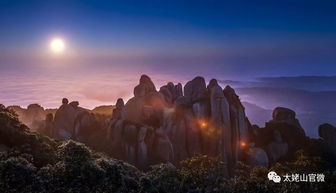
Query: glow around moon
x,y
57,45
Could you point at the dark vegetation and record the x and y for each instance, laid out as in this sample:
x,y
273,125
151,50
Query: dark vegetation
x,y
31,162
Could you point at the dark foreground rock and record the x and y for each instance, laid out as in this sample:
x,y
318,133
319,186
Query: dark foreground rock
x,y
328,134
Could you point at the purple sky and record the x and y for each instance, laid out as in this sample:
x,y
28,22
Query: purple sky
x,y
109,44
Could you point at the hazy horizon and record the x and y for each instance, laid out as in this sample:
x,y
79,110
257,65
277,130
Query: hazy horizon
x,y
91,90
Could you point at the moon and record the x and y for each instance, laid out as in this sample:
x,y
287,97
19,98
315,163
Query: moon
x,y
57,45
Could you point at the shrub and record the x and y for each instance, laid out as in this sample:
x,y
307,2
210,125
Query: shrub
x,y
163,178
202,172
18,175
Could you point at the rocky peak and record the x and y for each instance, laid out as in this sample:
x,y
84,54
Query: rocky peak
x,y
65,101
196,89
74,104
327,131
283,114
287,116
232,97
144,87
229,91
34,106
212,83
147,81
120,103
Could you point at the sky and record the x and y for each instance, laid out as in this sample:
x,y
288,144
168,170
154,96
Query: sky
x,y
109,44
228,38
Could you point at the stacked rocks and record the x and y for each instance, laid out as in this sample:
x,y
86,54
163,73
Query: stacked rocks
x,y
169,125
71,121
281,136
34,115
284,120
131,129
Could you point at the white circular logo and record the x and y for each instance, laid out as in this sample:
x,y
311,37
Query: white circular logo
x,y
274,177
271,174
277,179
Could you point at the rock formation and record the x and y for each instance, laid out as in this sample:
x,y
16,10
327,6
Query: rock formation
x,y
257,157
116,115
173,124
33,116
284,120
328,133
277,148
73,122
65,120
47,127
282,136
169,125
